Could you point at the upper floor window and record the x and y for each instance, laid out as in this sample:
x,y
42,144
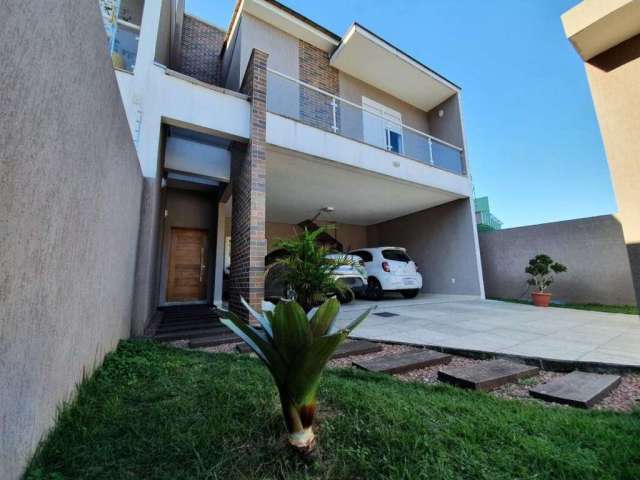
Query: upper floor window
x,y
122,20
382,126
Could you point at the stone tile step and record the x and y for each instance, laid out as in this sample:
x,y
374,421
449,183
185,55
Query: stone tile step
x,y
356,347
404,362
578,389
162,328
214,340
486,375
187,334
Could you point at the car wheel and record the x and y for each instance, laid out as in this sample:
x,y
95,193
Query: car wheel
x,y
410,293
374,289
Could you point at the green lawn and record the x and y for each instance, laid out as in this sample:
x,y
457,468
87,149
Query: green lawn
x,y
153,412
596,307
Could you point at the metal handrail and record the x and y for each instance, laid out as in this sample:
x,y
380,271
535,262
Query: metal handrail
x,y
360,107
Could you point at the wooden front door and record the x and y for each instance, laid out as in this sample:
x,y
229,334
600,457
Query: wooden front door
x,y
187,279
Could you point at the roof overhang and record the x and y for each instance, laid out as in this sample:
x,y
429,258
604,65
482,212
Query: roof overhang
x,y
594,26
371,59
283,18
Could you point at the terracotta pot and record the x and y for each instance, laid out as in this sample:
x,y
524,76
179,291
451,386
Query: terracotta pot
x,y
541,299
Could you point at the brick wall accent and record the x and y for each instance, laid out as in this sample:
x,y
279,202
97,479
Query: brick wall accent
x,y
200,50
248,173
315,108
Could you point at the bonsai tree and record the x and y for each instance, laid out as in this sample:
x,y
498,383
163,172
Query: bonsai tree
x,y
308,273
540,269
295,348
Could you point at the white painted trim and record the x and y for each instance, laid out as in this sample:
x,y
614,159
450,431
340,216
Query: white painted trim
x,y
219,265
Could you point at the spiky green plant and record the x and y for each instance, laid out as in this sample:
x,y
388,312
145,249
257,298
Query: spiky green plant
x,y
309,272
295,346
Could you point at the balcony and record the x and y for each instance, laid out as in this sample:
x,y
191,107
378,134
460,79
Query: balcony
x,y
296,100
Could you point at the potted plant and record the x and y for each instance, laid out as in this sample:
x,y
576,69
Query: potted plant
x,y
541,269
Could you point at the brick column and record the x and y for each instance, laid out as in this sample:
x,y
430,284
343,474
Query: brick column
x,y
248,178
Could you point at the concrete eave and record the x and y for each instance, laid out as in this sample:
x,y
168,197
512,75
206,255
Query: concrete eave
x,y
594,26
365,56
285,19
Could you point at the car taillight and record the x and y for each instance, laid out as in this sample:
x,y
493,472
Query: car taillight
x,y
385,267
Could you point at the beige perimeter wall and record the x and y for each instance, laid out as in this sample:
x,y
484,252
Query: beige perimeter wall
x,y
592,249
70,191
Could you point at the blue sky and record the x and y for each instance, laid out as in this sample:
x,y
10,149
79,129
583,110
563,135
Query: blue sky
x,y
534,144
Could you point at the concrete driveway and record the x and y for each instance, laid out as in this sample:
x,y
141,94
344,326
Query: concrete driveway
x,y
469,323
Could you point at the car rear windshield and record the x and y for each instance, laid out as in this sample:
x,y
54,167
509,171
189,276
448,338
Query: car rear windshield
x,y
396,255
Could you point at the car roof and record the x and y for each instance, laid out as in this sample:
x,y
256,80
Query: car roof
x,y
376,249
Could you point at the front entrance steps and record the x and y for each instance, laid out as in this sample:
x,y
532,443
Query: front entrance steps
x,y
486,375
198,324
404,362
578,389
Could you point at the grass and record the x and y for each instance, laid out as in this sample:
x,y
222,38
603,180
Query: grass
x,y
154,412
596,307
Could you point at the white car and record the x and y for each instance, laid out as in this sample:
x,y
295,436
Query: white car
x,y
389,269
353,275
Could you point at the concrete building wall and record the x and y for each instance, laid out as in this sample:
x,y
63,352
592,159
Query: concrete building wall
x,y
281,47
592,249
353,89
614,78
188,209
447,127
70,189
165,28
441,240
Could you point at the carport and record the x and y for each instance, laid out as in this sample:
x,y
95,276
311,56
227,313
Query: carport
x,y
372,209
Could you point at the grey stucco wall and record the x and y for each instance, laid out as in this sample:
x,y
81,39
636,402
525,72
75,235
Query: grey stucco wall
x,y
441,242
70,188
146,280
593,250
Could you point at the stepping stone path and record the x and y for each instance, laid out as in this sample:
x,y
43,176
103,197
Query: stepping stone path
x,y
404,362
346,349
486,375
356,347
578,389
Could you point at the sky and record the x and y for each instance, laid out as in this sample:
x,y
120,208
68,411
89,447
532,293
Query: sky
x,y
534,146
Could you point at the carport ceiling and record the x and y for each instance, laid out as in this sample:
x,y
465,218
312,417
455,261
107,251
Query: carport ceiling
x,y
297,186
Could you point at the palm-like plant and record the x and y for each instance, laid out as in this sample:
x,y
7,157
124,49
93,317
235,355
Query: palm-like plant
x,y
308,271
295,347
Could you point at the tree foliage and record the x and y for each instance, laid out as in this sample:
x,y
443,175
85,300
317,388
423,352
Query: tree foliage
x,y
541,269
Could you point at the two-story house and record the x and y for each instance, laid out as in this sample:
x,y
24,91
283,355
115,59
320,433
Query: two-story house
x,y
244,133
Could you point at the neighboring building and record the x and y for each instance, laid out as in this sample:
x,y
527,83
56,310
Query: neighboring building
x,y
247,132
606,35
486,221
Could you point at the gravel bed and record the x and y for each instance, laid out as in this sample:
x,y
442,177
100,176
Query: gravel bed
x,y
387,349
624,398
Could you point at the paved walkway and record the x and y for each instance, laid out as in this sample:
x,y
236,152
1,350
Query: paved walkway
x,y
469,323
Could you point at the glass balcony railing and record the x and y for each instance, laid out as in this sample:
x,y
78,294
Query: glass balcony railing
x,y
309,105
